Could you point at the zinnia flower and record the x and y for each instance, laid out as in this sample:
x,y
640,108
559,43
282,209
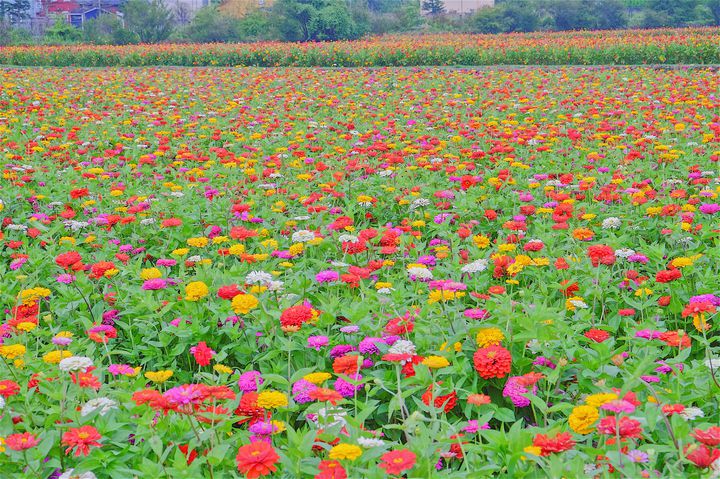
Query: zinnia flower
x,y
80,439
256,459
492,362
396,462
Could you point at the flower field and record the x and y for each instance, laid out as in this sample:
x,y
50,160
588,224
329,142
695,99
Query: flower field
x,y
358,273
618,47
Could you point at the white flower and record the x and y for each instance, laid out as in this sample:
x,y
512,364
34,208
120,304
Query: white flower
x,y
303,236
147,221
302,218
579,304
177,194
70,474
258,277
339,264
76,225
13,227
75,363
419,203
195,258
348,239
475,267
402,346
690,413
331,418
611,223
712,363
420,273
368,442
385,290
624,252
274,285
2,402
104,404
385,173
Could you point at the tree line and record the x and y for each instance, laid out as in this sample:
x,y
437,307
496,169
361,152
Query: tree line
x,y
151,21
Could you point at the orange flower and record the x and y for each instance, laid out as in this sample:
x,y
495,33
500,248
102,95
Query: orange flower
x,y
348,365
256,459
325,394
81,438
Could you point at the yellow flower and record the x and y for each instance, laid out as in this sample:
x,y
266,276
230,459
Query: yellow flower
x,y
222,369
481,241
345,451
29,296
533,450
296,249
150,273
12,351
180,252
272,399
506,247
26,326
279,426
196,290
317,378
244,303
381,285
597,400
199,242
643,292
54,357
2,439
582,419
237,249
489,337
159,376
437,295
436,362
681,262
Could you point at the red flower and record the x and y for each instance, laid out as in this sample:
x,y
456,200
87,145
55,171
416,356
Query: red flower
x,y
79,193
447,401
20,442
626,427
548,445
670,409
202,353
492,362
8,388
676,338
348,365
296,316
325,394
626,312
711,437
68,260
249,409
561,263
702,456
597,335
601,254
397,326
190,457
666,276
228,292
256,459
396,462
98,270
81,438
331,470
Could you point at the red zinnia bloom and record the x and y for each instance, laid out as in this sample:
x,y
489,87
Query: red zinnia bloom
x,y
8,388
68,260
20,442
228,292
447,400
325,394
396,462
256,459
702,456
626,312
492,362
597,335
667,276
296,316
601,254
348,365
249,409
202,353
98,270
711,437
190,457
676,338
626,427
670,409
81,438
331,470
548,445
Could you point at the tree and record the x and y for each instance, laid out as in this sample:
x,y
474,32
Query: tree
x,y
670,13
61,32
433,7
714,7
209,25
520,15
14,10
151,20
489,20
108,30
312,20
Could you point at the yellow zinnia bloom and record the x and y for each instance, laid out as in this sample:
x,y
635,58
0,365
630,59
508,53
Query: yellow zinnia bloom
x,y
345,451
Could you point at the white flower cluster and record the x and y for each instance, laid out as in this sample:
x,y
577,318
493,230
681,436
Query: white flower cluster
x,y
75,363
475,267
402,346
105,405
611,223
303,236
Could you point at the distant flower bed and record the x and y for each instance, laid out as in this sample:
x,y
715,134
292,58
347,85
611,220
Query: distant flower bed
x,y
622,47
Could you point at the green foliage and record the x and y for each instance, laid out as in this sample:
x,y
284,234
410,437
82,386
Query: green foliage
x,y
61,32
151,20
107,30
10,35
14,10
209,25
433,7
315,20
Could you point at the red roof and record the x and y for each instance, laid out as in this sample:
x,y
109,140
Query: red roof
x,y
62,7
